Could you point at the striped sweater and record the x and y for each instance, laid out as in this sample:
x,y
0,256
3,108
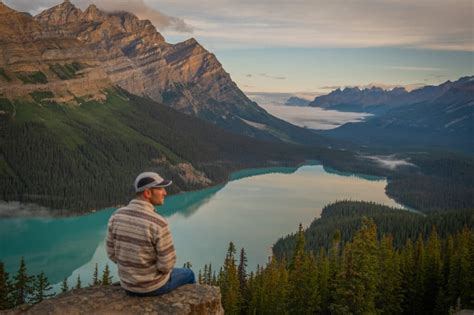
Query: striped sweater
x,y
140,243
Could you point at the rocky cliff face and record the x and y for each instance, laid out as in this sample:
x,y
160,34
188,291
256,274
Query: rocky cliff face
x,y
188,299
124,50
78,54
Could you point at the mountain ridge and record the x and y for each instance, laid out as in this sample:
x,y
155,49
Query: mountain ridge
x,y
118,49
378,100
443,119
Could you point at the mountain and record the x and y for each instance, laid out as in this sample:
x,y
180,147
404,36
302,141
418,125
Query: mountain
x,y
357,100
377,100
77,54
297,101
444,119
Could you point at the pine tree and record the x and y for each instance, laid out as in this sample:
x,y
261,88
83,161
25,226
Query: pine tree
x,y
419,284
64,286
106,277
299,249
357,283
324,282
408,270
242,275
22,286
432,271
209,275
187,265
6,301
200,281
206,281
78,282
40,288
229,283
273,289
389,298
95,276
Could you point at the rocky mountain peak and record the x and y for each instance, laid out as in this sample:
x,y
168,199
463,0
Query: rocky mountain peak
x,y
16,26
93,13
5,9
61,14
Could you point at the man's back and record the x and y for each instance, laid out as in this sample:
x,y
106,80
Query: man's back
x,y
140,243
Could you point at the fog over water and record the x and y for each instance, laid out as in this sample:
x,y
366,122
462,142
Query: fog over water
x,y
304,116
389,161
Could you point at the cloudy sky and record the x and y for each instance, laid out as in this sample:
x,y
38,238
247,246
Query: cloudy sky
x,y
313,46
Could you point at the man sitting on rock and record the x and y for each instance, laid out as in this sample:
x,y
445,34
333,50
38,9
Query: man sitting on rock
x,y
140,243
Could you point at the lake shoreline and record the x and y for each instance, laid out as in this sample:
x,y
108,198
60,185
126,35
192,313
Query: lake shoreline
x,y
50,213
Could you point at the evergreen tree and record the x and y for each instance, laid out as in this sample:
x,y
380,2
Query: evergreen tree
x,y
419,284
200,281
106,277
358,281
273,288
298,254
214,278
326,283
209,275
242,275
95,276
205,277
389,298
64,286
432,271
41,287
187,265
22,286
6,301
408,270
78,282
229,283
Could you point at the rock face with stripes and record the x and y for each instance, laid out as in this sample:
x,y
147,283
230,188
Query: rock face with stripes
x,y
75,55
189,299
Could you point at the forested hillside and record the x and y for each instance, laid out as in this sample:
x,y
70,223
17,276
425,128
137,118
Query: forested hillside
x,y
345,216
366,274
86,156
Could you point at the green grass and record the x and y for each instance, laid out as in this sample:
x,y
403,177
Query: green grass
x,y
36,77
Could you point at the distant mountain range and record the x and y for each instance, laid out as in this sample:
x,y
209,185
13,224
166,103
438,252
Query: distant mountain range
x,y
76,54
434,116
378,100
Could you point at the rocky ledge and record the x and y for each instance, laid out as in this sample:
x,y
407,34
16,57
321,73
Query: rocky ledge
x,y
188,299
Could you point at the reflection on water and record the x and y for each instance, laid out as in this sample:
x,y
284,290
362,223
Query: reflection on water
x,y
331,170
253,211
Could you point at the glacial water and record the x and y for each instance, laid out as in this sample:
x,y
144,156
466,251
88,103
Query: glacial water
x,y
253,210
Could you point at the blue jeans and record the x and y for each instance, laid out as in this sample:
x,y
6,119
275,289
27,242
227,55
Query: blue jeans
x,y
178,277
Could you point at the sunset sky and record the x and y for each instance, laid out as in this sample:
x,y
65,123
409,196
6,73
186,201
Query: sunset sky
x,y
314,46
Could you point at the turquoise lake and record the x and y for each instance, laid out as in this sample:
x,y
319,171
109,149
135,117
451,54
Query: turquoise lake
x,y
254,209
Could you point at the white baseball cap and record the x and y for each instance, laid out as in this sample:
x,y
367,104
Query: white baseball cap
x,y
150,179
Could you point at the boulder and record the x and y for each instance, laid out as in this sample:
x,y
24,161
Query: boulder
x,y
188,299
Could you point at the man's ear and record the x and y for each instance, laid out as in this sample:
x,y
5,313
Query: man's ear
x,y
147,193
